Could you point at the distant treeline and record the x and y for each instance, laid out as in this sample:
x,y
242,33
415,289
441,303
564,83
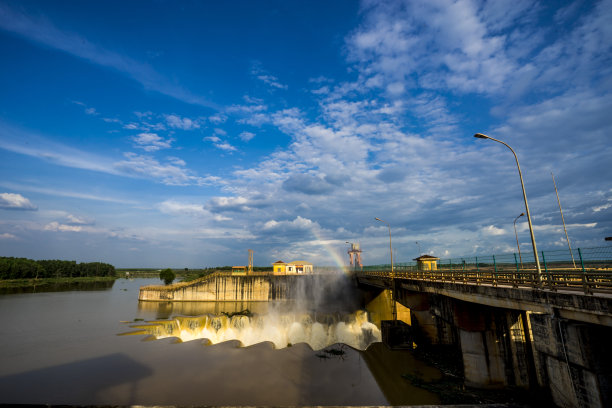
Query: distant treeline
x,y
23,268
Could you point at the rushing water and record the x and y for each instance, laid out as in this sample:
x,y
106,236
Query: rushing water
x,y
63,348
281,329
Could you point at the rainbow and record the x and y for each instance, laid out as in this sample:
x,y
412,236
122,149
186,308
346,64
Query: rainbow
x,y
331,246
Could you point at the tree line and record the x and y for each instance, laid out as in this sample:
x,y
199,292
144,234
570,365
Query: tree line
x,y
23,268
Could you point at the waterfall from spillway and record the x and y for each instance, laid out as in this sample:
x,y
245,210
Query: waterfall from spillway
x,y
319,331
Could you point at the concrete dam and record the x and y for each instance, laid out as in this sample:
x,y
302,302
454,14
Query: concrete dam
x,y
224,287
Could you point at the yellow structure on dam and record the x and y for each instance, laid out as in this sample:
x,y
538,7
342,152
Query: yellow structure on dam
x,y
427,263
292,268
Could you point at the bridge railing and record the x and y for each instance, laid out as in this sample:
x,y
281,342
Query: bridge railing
x,y
588,270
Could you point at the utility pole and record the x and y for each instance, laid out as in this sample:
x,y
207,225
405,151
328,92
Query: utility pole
x,y
563,220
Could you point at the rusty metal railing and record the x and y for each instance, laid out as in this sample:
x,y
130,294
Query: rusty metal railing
x,y
585,280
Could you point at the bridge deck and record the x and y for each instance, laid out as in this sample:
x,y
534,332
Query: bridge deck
x,y
568,301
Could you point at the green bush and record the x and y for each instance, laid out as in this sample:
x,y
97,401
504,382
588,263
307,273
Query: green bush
x,y
167,276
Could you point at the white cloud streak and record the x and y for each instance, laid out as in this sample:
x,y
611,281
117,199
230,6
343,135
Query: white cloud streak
x,y
42,31
10,201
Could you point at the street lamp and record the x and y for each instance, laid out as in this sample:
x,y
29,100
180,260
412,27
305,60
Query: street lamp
x,y
390,247
533,243
516,235
393,303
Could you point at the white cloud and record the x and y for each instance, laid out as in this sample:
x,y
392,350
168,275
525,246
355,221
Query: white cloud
x,y
9,201
178,161
217,119
298,223
219,143
43,31
75,220
602,207
266,77
226,146
151,142
214,139
493,230
6,235
30,144
55,226
168,173
233,204
176,122
179,208
67,193
246,136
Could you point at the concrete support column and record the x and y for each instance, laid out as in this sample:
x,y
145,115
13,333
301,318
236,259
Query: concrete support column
x,y
573,360
495,345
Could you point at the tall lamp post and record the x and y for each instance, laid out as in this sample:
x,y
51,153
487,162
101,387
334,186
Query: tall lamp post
x,y
533,242
516,235
390,247
393,306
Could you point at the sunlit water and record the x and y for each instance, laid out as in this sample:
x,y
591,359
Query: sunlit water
x,y
64,348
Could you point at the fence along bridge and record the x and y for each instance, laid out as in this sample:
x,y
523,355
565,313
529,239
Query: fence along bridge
x,y
588,270
513,326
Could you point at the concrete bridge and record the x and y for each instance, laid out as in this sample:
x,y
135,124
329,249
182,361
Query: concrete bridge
x,y
515,329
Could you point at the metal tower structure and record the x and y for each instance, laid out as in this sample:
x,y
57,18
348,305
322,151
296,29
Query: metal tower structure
x,y
355,256
250,270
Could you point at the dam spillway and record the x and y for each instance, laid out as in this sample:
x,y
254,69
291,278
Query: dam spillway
x,y
279,328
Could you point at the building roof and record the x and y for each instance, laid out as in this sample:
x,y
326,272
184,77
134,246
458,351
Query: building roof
x,y
300,263
426,258
278,262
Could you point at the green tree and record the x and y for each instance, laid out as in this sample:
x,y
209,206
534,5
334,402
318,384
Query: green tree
x,y
167,276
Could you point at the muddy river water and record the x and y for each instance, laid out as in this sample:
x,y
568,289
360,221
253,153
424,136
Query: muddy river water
x,y
104,347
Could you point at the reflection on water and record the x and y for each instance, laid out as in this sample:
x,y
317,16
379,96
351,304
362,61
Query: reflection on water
x,y
281,329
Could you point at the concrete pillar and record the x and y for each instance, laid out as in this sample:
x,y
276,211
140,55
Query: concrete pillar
x,y
573,360
495,345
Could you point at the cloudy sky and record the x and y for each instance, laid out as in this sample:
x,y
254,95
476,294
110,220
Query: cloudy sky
x,y
182,134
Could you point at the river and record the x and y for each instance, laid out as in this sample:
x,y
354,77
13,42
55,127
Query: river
x,y
71,347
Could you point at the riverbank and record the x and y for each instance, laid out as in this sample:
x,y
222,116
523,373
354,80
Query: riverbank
x,y
51,282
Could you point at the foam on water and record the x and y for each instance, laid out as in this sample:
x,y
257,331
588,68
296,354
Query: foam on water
x,y
281,329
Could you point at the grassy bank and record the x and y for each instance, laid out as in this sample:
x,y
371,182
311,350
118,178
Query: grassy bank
x,y
27,283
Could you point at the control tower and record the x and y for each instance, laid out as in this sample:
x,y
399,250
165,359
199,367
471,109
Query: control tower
x,y
355,256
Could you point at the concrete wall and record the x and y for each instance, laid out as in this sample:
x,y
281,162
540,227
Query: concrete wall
x,y
574,358
222,288
333,291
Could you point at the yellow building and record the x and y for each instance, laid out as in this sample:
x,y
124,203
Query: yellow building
x,y
427,263
239,270
279,268
300,267
292,268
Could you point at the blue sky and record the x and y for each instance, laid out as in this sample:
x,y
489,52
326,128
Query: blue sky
x,y
182,134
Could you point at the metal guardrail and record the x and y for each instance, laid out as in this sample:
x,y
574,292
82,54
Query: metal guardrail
x,y
589,271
